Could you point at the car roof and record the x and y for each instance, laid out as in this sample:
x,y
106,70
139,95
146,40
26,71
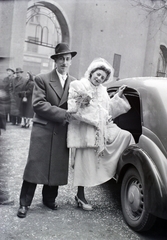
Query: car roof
x,y
155,86
137,82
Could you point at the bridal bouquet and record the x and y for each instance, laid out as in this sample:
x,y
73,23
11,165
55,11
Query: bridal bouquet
x,y
81,103
79,100
82,99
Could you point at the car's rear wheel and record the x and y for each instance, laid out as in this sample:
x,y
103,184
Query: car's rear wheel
x,y
132,201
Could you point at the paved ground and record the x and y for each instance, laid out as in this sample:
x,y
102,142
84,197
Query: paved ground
x,y
68,222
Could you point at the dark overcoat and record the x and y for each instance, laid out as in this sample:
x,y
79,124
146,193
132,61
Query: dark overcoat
x,y
26,109
3,104
7,86
48,157
16,87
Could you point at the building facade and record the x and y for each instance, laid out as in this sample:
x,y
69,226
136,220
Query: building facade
x,y
131,38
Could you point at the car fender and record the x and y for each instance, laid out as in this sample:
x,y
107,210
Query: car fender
x,y
155,192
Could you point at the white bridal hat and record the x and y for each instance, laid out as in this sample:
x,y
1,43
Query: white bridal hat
x,y
100,62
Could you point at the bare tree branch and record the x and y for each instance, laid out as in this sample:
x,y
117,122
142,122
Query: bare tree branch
x,y
158,7
150,5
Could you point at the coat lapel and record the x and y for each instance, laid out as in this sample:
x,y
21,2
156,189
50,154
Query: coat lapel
x,y
55,83
18,82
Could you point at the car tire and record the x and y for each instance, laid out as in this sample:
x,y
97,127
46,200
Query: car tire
x,y
132,201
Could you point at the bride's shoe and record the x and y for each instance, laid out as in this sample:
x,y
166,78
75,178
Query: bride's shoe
x,y
84,206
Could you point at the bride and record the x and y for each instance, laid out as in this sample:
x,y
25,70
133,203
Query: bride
x,y
95,141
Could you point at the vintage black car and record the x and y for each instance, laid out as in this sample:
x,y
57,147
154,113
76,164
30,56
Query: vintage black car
x,y
142,168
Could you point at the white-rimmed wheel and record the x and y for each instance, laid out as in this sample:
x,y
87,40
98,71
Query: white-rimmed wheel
x,y
132,201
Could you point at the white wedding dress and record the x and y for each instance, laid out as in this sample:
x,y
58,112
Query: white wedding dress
x,y
95,165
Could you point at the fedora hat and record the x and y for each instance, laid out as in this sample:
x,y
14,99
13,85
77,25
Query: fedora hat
x,y
62,48
10,70
19,70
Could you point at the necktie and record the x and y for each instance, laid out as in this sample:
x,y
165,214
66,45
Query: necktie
x,y
64,79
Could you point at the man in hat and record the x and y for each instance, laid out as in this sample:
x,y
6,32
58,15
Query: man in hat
x,y
48,157
7,81
16,87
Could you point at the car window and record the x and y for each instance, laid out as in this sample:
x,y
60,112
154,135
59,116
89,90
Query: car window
x,y
130,121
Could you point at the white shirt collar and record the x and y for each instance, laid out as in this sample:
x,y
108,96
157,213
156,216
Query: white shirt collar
x,y
62,78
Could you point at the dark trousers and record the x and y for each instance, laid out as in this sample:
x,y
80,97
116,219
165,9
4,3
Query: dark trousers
x,y
49,193
15,120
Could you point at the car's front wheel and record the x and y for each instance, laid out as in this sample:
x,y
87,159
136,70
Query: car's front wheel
x,y
132,201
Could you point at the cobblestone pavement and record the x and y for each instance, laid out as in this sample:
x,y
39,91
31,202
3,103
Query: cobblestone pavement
x,y
68,222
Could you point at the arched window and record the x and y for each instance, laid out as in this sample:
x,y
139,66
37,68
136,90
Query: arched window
x,y
42,22
46,26
38,33
162,62
45,34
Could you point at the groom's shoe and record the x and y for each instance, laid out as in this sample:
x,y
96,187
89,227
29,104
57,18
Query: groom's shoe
x,y
52,206
22,212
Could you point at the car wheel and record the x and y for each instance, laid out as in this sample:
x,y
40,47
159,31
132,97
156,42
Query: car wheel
x,y
132,201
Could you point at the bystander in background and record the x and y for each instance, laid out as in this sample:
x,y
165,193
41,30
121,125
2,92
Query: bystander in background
x,y
16,88
4,193
26,109
7,86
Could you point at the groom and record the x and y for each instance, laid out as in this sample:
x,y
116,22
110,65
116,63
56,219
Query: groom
x,y
48,156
